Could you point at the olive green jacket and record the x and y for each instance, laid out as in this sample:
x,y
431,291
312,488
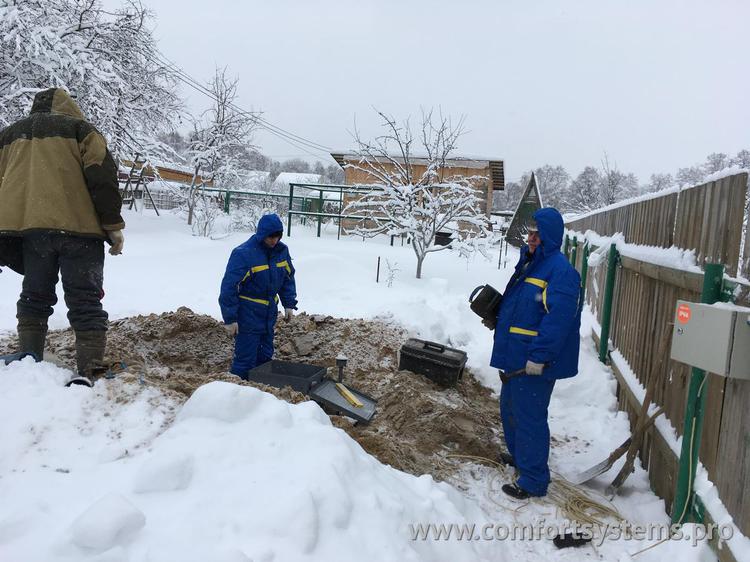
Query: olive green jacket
x,y
56,173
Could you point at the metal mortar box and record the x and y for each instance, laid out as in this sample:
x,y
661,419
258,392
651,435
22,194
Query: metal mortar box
x,y
300,376
441,364
332,395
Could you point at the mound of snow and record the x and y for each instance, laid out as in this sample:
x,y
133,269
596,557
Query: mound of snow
x,y
236,474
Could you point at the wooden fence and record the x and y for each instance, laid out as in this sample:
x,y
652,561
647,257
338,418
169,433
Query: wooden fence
x,y
709,220
706,218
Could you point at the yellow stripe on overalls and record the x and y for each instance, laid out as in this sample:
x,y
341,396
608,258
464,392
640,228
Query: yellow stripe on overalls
x,y
259,301
523,331
543,285
252,270
285,264
538,282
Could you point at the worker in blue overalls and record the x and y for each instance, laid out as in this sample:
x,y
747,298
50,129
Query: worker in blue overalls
x,y
537,331
258,273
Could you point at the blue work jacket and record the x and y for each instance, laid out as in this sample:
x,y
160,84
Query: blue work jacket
x,y
540,316
255,278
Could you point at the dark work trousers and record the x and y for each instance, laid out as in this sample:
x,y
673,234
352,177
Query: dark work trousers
x,y
523,411
251,350
80,262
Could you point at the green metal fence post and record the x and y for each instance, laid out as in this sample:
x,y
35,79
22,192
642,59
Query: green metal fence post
x,y
574,253
584,272
226,202
289,214
565,246
609,289
684,501
320,210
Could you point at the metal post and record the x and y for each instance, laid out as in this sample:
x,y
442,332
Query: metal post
x,y
289,214
320,211
584,272
574,253
609,289
565,246
341,210
684,501
226,203
377,273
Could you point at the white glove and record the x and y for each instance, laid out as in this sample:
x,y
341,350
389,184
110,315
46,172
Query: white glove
x,y
232,328
288,313
534,368
118,241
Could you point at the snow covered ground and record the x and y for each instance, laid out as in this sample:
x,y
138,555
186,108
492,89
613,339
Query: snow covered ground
x,y
239,475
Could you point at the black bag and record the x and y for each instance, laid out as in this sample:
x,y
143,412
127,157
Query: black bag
x,y
11,253
487,303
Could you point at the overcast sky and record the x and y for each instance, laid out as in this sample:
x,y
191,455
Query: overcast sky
x,y
658,84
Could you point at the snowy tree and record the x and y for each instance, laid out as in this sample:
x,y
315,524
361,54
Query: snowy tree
x,y
715,162
553,185
616,185
660,181
742,159
508,198
107,60
216,137
415,194
585,190
296,165
690,176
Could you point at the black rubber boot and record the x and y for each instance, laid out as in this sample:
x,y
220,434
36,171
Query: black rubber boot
x,y
32,335
89,357
515,491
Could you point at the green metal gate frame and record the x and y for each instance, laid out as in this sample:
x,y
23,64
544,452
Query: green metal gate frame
x,y
325,188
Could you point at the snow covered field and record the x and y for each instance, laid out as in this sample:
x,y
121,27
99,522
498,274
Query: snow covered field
x,y
239,475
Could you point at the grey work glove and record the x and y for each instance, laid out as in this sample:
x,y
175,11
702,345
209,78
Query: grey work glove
x,y
534,368
118,241
288,313
232,328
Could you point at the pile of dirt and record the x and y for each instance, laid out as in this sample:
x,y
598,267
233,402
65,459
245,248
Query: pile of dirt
x,y
416,428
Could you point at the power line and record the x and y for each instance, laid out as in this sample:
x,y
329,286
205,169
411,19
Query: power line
x,y
287,136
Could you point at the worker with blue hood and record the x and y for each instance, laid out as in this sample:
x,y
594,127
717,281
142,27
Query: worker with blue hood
x,y
258,274
537,331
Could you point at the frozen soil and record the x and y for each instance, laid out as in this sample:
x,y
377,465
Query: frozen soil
x,y
419,427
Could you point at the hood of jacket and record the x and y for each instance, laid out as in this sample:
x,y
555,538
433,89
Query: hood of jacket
x,y
551,226
56,101
267,225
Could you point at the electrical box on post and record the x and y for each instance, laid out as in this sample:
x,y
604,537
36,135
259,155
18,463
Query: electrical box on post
x,y
715,338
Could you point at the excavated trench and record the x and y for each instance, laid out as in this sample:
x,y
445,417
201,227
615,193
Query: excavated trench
x,y
418,425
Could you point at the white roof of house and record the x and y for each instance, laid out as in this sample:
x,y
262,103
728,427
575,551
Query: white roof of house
x,y
286,178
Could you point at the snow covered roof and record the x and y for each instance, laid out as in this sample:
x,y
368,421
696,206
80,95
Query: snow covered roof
x,y
496,165
254,180
285,178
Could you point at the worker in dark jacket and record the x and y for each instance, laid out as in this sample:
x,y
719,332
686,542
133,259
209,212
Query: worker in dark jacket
x,y
258,273
59,203
537,329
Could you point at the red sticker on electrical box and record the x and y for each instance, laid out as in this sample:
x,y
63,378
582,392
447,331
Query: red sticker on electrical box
x,y
683,313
